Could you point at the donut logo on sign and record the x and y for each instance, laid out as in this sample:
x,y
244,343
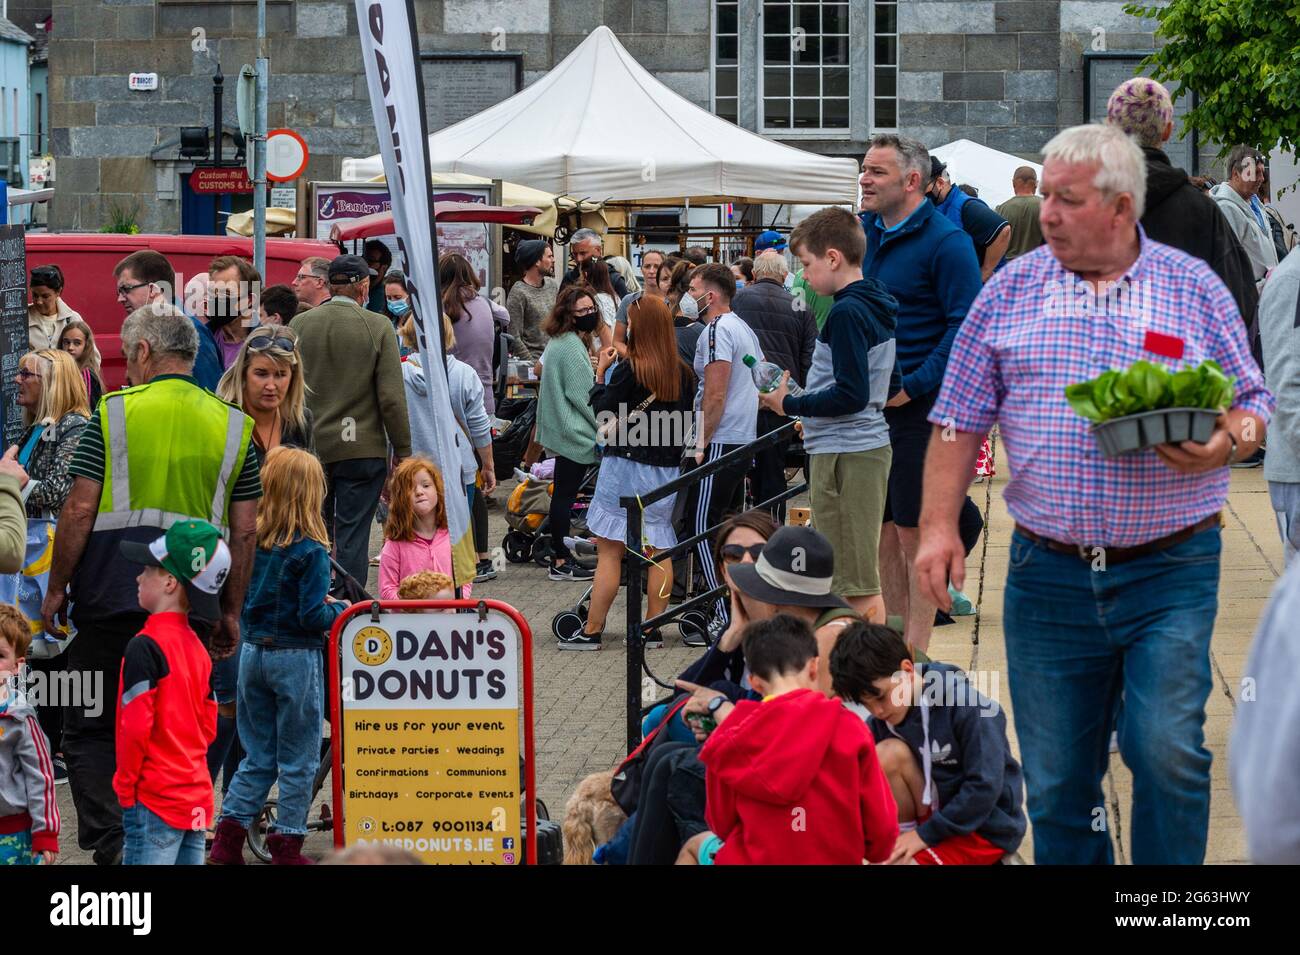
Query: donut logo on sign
x,y
372,646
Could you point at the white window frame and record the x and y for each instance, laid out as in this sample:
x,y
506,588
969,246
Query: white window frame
x,y
871,68
713,58
780,132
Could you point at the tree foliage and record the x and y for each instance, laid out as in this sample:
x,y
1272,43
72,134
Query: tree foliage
x,y
1241,58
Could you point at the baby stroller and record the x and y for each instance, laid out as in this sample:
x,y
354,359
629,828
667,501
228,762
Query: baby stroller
x,y
528,512
568,622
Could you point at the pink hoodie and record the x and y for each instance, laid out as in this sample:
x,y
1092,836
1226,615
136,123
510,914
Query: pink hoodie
x,y
400,559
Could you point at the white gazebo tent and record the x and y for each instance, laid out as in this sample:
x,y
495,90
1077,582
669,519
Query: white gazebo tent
x,y
988,170
622,136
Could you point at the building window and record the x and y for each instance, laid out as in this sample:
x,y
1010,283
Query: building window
x,y
884,65
726,49
805,67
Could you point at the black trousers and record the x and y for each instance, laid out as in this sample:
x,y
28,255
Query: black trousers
x,y
568,478
49,714
353,489
656,836
479,519
767,477
89,741
710,501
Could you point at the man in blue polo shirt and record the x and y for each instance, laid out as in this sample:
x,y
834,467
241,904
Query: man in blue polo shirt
x,y
929,265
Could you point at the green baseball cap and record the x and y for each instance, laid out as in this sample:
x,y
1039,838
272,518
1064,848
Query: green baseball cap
x,y
193,552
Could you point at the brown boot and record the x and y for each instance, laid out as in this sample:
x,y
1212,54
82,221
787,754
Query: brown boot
x,y
286,850
228,843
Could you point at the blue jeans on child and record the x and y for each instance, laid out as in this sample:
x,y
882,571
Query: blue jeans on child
x,y
149,840
1078,640
279,716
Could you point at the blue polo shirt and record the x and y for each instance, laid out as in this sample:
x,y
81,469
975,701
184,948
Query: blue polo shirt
x,y
928,265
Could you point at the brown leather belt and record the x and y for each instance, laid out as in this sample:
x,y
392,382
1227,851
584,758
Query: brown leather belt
x,y
1120,555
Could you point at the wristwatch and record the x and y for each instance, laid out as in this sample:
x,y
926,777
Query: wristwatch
x,y
715,704
1232,449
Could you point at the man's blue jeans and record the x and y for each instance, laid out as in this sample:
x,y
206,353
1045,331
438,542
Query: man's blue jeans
x,y
148,840
279,717
1085,646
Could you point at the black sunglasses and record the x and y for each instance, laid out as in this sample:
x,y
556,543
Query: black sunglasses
x,y
734,553
266,343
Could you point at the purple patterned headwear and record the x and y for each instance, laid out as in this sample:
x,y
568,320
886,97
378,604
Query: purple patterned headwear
x,y
1142,108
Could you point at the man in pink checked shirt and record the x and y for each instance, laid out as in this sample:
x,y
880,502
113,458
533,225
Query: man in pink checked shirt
x,y
1113,576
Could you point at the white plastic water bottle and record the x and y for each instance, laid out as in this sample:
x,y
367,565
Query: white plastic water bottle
x,y
767,376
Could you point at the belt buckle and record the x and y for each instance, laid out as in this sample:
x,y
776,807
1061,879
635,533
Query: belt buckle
x,y
1084,552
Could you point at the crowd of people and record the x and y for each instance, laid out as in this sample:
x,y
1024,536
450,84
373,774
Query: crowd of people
x,y
210,520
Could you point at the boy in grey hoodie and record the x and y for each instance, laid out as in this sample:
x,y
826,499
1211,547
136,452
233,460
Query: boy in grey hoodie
x,y
29,815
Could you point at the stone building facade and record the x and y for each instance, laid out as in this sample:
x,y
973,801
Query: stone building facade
x,y
823,76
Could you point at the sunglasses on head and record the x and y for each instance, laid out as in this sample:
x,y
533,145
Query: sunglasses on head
x,y
267,342
735,553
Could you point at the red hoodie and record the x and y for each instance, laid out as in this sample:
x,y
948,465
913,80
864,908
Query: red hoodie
x,y
795,781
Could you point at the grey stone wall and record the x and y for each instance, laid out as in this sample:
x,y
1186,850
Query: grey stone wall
x,y
1007,73
985,71
103,134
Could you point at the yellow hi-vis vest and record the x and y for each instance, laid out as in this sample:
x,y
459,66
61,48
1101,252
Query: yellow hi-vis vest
x,y
172,452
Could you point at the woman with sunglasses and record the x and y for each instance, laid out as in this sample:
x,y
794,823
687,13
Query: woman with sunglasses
x,y
48,315
265,380
671,802
55,412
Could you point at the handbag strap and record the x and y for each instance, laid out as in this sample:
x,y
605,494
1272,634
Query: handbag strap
x,y
25,454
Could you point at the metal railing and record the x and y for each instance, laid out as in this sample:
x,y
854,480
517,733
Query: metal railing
x,y
634,506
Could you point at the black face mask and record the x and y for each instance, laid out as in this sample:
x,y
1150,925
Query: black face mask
x,y
222,310
586,323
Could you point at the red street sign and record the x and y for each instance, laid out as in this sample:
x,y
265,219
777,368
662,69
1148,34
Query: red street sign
x,y
207,180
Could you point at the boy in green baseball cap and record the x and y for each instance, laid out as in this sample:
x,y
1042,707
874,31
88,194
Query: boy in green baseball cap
x,y
167,717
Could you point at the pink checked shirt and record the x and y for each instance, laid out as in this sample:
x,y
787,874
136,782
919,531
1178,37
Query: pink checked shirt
x,y
1032,331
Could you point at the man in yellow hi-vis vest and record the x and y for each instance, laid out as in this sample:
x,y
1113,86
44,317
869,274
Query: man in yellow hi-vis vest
x,y
157,452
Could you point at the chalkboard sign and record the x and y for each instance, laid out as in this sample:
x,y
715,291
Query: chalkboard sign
x,y
13,325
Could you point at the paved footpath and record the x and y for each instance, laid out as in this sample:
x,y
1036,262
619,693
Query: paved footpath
x,y
580,696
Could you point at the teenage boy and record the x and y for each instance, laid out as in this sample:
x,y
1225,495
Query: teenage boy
x,y
853,374
726,415
29,813
793,779
167,716
942,745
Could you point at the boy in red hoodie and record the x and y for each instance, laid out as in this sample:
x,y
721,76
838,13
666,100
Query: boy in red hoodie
x,y
793,780
167,716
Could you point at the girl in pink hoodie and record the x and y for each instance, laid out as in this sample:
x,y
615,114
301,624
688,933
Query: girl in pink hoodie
x,y
415,535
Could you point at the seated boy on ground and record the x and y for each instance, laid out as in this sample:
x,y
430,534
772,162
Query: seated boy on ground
x,y
942,745
792,779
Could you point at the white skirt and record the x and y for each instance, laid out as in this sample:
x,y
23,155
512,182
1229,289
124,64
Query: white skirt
x,y
622,477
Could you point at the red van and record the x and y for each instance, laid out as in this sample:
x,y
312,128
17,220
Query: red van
x,y
87,260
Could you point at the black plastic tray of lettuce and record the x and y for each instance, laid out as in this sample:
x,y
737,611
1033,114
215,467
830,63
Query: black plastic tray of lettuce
x,y
1147,386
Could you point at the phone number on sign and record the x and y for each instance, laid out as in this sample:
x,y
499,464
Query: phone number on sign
x,y
438,825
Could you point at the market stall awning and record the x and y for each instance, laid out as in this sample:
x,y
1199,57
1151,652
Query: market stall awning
x,y
381,223
600,126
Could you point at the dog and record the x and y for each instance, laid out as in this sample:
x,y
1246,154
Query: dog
x,y
591,817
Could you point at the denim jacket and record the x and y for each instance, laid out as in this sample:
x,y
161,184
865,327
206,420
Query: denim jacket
x,y
285,607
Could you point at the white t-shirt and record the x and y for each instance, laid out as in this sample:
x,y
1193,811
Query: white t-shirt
x,y
728,338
